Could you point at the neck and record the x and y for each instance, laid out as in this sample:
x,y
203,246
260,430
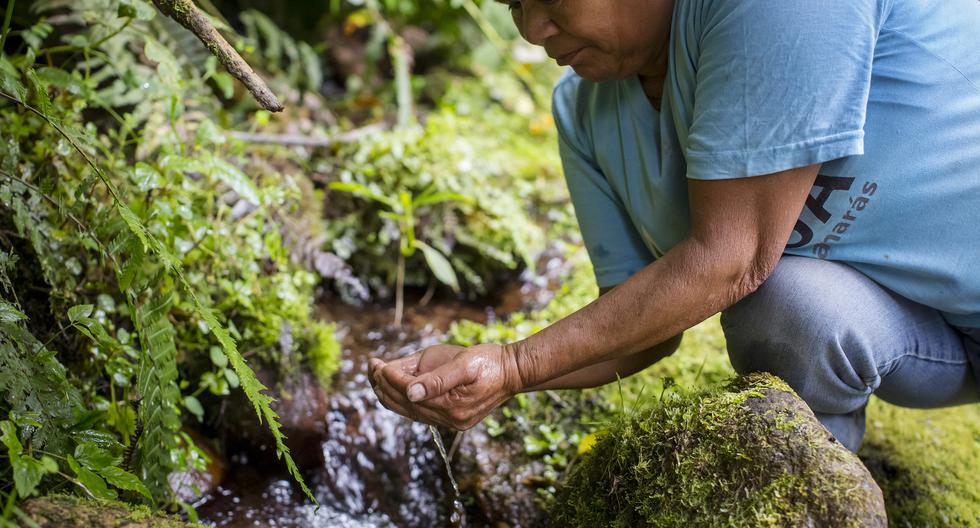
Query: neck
x,y
653,75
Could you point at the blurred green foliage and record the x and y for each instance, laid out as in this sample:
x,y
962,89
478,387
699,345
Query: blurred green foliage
x,y
489,222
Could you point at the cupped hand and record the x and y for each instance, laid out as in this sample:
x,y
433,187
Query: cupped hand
x,y
445,385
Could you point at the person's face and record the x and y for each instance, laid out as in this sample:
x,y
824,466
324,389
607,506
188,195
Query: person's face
x,y
600,39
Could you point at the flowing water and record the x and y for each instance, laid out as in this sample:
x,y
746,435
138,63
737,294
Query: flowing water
x,y
458,516
372,467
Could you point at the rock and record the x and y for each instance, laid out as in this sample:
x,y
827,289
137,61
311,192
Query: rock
x,y
750,454
58,511
501,479
302,405
191,484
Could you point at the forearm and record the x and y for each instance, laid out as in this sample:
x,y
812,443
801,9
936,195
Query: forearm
x,y
608,371
686,286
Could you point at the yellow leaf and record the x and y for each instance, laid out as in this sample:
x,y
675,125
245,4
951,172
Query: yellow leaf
x,y
586,444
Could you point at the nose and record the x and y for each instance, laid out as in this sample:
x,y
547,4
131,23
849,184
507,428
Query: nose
x,y
536,24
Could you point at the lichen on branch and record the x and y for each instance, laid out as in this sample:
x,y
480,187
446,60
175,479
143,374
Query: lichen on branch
x,y
188,15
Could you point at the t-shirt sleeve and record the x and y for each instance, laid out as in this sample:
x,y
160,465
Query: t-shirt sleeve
x,y
614,246
780,84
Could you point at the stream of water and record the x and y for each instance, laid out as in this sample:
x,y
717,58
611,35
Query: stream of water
x,y
458,516
375,468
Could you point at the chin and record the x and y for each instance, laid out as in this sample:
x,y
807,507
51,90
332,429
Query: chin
x,y
597,74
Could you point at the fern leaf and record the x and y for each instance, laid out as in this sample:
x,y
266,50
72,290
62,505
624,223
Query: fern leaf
x,y
253,389
157,384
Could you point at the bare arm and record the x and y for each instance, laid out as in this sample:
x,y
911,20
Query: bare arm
x,y
607,371
739,229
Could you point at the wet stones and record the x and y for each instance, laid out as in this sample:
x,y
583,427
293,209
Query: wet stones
x,y
302,404
501,480
201,477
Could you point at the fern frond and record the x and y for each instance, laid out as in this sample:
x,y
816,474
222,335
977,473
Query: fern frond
x,y
253,389
157,385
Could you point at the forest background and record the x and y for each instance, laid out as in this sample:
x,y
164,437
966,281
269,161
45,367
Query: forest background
x,y
163,236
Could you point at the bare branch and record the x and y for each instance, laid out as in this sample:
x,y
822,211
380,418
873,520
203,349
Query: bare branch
x,y
188,15
307,141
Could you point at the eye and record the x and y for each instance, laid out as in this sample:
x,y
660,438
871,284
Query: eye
x,y
514,5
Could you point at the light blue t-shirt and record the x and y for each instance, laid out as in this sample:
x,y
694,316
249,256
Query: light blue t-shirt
x,y
884,93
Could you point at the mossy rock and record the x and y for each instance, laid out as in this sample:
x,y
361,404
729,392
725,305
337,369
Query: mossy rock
x,y
749,454
57,511
927,463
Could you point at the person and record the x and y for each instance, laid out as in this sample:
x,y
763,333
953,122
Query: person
x,y
809,169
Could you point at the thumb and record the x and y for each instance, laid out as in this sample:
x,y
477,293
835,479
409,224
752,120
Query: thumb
x,y
437,382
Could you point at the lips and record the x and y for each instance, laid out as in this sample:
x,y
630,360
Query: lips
x,y
567,58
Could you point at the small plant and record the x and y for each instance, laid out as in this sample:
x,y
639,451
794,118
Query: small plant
x,y
401,209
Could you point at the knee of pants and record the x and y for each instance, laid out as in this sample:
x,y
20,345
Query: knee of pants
x,y
819,350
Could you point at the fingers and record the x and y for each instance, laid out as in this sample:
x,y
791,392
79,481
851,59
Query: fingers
x,y
432,384
396,401
408,364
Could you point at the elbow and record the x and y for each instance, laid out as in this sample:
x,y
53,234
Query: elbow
x,y
750,273
731,267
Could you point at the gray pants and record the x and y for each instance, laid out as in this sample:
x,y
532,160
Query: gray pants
x,y
837,337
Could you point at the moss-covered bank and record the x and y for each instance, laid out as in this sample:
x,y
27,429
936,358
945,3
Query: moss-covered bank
x,y
57,511
927,463
749,454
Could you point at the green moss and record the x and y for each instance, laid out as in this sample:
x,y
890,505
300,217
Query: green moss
x,y
324,352
58,510
927,463
709,459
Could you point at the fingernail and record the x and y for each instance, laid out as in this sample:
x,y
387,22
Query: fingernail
x,y
416,392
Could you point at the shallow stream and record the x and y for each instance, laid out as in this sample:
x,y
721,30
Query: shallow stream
x,y
375,468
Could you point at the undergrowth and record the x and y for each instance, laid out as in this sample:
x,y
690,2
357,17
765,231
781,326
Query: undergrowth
x,y
143,249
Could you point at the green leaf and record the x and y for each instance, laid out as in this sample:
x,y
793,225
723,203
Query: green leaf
x,y
28,472
432,198
9,314
233,177
123,418
10,80
94,457
218,357
440,267
251,386
82,311
167,65
225,83
40,90
98,438
138,9
193,405
232,378
92,483
146,177
364,192
123,479
60,79
9,438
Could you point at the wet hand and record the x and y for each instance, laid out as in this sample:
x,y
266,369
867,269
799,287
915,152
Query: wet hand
x,y
453,387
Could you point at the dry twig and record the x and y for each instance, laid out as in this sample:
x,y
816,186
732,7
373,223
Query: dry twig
x,y
188,15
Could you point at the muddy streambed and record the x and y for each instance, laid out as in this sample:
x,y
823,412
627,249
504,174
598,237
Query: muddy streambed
x,y
367,466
